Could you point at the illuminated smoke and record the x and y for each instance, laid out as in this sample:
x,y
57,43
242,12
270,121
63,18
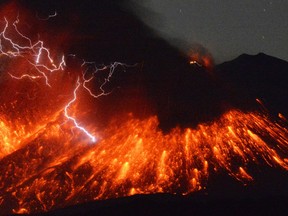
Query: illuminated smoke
x,y
201,56
46,166
40,58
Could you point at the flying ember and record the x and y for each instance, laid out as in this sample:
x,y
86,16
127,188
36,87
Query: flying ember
x,y
47,160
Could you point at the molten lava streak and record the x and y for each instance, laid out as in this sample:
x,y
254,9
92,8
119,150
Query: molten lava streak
x,y
57,169
49,162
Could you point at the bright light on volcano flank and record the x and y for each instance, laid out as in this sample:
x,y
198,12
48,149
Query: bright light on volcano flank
x,y
47,162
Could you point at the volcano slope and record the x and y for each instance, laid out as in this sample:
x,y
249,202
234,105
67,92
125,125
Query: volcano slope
x,y
176,128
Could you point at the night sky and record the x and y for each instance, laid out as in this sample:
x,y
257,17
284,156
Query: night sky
x,y
186,115
226,28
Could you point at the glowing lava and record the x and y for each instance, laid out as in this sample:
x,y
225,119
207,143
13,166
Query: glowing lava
x,y
135,157
93,139
46,166
37,55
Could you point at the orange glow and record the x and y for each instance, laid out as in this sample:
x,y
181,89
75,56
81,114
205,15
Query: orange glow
x,y
46,163
135,157
204,60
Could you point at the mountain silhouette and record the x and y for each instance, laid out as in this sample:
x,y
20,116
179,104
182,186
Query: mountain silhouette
x,y
256,76
235,84
161,81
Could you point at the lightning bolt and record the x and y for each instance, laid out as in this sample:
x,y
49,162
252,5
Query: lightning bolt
x,y
37,50
76,124
111,68
40,53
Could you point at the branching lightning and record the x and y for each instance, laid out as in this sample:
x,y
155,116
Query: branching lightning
x,y
45,169
111,68
37,55
76,124
36,50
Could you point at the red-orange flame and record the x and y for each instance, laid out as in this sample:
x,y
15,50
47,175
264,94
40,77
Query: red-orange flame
x,y
57,168
46,163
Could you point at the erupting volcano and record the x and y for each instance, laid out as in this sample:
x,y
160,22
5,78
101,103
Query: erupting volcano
x,y
55,152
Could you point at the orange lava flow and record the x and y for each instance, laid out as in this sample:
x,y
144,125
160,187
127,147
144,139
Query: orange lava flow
x,y
46,163
58,168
